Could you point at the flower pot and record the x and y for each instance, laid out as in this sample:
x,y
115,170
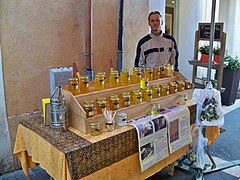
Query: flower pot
x,y
216,59
204,58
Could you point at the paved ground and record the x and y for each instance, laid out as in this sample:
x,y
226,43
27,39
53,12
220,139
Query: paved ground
x,y
225,148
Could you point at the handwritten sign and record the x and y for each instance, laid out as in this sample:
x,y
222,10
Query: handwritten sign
x,y
204,31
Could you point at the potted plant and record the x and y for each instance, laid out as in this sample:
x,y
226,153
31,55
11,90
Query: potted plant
x,y
204,50
216,57
231,76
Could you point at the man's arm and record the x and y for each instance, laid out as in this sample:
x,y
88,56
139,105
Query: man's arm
x,y
176,55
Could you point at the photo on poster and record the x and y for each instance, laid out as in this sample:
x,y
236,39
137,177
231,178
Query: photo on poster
x,y
174,130
147,151
145,129
159,123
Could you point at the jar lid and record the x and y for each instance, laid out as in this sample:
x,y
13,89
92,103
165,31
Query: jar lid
x,y
84,78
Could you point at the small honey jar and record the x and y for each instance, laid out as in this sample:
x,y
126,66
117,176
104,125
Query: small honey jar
x,y
114,102
126,99
144,83
89,108
100,82
149,73
164,89
156,91
182,99
101,105
95,128
114,79
84,84
125,77
136,96
172,87
180,86
136,76
73,86
169,70
156,73
147,94
188,85
155,109
162,71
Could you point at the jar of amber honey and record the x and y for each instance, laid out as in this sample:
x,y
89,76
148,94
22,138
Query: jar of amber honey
x,y
125,77
114,79
180,86
136,76
162,71
164,89
172,87
168,70
89,108
188,85
84,84
147,94
73,86
136,96
149,73
126,99
144,83
101,106
156,73
114,102
156,91
99,82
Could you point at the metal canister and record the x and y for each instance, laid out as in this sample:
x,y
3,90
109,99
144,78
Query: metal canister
x,y
58,109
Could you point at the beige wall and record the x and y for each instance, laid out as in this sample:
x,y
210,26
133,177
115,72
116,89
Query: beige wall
x,y
135,27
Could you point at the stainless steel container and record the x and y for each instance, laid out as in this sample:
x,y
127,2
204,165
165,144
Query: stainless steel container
x,y
58,109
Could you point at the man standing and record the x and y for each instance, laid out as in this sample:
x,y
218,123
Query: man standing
x,y
156,48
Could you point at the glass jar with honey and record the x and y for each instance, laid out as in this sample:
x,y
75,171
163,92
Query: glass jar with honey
x,y
180,86
89,108
101,105
125,99
156,73
114,79
125,77
144,83
149,73
188,85
147,94
73,86
169,70
155,109
156,91
136,96
164,89
114,102
95,128
136,76
172,87
182,99
100,82
162,71
84,84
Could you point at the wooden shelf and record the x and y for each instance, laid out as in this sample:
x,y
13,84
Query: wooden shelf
x,y
201,64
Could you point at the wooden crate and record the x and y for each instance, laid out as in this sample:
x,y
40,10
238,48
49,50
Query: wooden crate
x,y
77,116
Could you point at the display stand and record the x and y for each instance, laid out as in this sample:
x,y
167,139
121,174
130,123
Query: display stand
x,y
200,35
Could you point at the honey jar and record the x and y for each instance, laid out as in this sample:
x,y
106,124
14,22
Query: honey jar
x,y
124,77
89,108
172,87
114,79
101,105
126,99
149,73
164,89
136,96
114,102
84,84
162,71
73,86
180,86
144,83
182,99
168,72
136,77
99,82
155,109
188,85
95,128
156,92
147,94
156,73
103,73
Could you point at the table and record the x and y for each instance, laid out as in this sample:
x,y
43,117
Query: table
x,y
73,155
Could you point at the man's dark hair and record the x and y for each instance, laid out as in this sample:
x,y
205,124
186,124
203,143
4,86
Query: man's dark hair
x,y
154,12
